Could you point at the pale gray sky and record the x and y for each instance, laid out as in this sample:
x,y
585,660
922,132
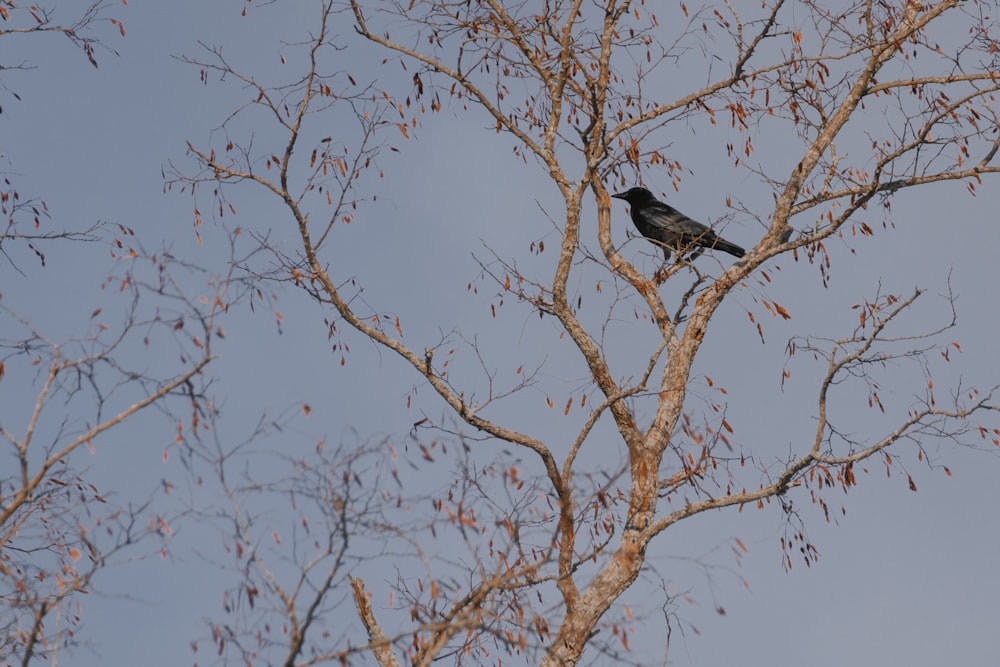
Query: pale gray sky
x,y
905,578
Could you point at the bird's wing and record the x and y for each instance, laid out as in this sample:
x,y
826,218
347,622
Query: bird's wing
x,y
670,219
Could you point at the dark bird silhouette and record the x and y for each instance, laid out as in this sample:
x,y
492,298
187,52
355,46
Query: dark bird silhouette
x,y
669,228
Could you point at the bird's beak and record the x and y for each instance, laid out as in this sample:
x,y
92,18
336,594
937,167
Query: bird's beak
x,y
619,195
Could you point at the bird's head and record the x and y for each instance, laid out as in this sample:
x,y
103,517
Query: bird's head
x,y
635,195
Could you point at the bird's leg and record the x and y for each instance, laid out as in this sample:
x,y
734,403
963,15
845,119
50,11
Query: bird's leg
x,y
688,261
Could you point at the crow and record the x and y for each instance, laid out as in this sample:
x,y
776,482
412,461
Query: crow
x,y
669,228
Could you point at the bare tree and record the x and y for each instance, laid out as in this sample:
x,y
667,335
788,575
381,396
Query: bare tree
x,y
26,215
64,394
876,98
79,25
57,529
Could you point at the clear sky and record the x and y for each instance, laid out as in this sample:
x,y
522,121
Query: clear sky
x,y
903,578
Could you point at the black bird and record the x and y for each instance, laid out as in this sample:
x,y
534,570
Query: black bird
x,y
669,228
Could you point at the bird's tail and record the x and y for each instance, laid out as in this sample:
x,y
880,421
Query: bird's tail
x,y
731,248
